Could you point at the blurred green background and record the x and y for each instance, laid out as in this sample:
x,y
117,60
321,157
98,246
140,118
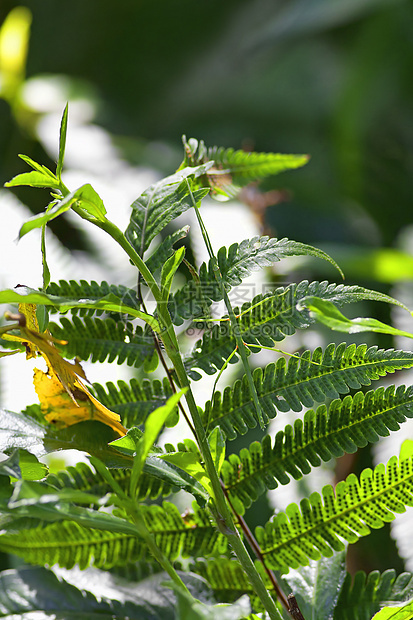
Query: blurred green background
x,y
332,78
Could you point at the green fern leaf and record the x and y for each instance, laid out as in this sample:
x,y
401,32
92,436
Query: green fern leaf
x,y
135,400
269,319
103,340
160,204
362,599
235,263
234,169
83,478
67,543
306,379
322,435
345,513
91,290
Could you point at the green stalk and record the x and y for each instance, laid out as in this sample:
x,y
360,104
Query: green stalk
x,y
221,509
131,507
242,349
154,549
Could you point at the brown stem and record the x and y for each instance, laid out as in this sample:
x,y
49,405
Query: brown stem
x,y
293,608
256,549
171,382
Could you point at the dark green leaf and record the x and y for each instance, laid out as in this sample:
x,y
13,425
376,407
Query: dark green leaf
x,y
165,249
30,591
160,204
317,586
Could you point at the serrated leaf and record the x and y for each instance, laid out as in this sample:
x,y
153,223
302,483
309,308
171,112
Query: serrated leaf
x,y
234,169
160,204
326,313
344,513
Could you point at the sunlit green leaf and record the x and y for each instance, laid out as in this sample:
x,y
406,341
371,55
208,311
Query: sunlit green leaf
x,y
33,179
110,303
39,220
191,464
326,313
169,270
398,612
217,445
62,142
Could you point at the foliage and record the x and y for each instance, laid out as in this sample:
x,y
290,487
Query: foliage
x,y
108,514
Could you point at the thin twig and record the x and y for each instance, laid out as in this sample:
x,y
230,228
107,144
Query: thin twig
x,y
165,365
293,608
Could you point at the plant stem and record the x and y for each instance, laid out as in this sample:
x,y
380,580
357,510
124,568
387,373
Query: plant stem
x,y
222,511
242,349
256,549
154,549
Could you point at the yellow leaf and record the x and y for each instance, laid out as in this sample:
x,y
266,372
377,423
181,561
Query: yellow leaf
x,y
64,399
60,409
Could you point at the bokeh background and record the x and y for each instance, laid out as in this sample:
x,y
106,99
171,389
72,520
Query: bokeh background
x,y
331,78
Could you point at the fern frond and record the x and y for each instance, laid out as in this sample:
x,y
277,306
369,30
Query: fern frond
x,y
161,203
91,290
135,400
269,319
66,543
236,263
361,599
306,379
322,435
229,581
103,340
345,513
234,169
82,478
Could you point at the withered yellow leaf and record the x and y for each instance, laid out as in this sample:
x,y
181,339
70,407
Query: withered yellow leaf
x,y
60,409
45,345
